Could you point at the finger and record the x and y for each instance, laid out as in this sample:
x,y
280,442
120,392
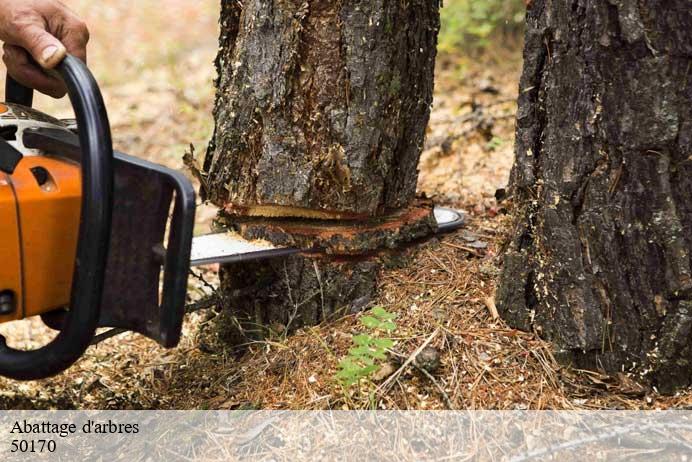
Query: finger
x,y
46,50
74,34
20,67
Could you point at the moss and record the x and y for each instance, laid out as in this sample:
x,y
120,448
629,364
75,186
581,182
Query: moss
x,y
395,85
388,26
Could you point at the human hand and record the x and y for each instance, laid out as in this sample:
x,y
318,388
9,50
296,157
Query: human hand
x,y
37,35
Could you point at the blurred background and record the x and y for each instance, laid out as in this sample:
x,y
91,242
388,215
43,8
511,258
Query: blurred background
x,y
471,26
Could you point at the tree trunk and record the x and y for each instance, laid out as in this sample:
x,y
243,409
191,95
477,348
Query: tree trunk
x,y
322,106
320,113
599,260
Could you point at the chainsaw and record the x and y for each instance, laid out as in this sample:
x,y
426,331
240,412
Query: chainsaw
x,y
91,237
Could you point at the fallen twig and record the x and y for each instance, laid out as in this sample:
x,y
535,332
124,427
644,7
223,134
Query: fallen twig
x,y
387,383
443,393
490,304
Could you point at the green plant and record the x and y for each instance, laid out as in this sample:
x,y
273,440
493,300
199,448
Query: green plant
x,y
494,143
369,350
469,24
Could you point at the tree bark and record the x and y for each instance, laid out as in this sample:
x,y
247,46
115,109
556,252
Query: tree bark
x,y
599,259
321,106
320,113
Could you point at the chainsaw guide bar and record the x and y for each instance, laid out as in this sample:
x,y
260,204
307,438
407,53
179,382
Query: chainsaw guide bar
x,y
229,247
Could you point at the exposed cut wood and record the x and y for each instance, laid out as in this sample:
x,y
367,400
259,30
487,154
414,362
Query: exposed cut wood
x,y
344,237
277,211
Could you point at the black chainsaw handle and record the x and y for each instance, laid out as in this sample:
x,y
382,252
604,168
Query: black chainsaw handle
x,y
16,93
94,231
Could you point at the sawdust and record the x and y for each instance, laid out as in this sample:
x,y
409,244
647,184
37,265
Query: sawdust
x,y
447,290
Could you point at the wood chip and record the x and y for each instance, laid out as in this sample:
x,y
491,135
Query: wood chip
x,y
490,304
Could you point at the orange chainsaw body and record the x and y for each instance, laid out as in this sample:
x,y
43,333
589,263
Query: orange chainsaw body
x,y
39,224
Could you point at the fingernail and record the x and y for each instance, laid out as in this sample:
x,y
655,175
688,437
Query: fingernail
x,y
48,53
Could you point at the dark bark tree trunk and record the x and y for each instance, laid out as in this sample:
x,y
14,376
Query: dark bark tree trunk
x,y
600,257
322,105
320,113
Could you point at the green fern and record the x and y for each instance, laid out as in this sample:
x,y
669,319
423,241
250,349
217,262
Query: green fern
x,y
369,349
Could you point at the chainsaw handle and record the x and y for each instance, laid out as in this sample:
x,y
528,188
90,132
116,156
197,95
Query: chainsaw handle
x,y
94,232
16,93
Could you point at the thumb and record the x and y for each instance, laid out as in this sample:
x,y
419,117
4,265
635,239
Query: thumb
x,y
46,50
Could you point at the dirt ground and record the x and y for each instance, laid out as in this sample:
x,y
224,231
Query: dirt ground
x,y
155,67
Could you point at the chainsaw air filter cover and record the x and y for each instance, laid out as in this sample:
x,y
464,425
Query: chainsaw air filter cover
x,y
40,200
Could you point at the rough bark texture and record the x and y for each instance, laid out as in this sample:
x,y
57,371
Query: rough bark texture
x,y
599,260
322,105
290,293
321,113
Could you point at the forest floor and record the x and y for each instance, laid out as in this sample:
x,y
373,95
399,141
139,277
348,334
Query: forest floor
x,y
157,81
